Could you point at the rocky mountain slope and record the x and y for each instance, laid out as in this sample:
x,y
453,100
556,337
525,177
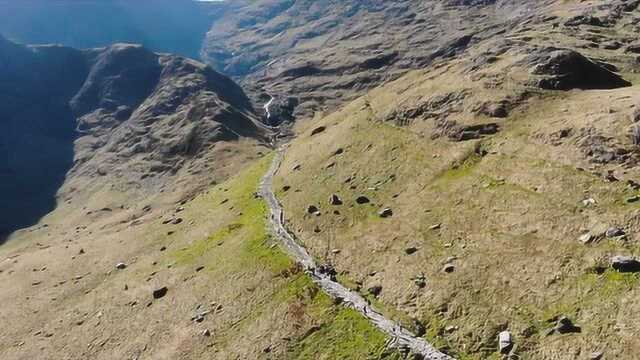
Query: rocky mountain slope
x,y
470,167
315,55
120,115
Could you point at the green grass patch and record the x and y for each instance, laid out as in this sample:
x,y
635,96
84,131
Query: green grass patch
x,y
461,169
347,336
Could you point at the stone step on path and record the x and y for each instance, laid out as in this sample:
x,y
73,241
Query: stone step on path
x,y
399,336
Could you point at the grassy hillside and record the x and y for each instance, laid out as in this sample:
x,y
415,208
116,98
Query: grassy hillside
x,y
219,261
485,233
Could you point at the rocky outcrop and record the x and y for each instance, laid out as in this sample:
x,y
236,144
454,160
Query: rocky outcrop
x,y
564,69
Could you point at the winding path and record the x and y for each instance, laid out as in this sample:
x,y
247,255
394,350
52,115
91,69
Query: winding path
x,y
400,337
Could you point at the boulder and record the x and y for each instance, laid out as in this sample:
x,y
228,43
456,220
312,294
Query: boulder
x,y
318,130
505,342
566,326
449,268
584,20
634,49
375,290
312,209
362,200
564,69
625,264
385,213
121,266
160,292
586,238
335,200
410,250
614,232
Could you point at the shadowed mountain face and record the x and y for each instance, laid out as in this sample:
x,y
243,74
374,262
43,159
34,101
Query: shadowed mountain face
x,y
175,26
120,111
36,144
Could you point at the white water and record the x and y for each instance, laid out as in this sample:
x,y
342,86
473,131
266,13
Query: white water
x,y
266,107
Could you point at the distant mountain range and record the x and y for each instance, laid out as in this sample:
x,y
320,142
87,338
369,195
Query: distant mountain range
x,y
175,26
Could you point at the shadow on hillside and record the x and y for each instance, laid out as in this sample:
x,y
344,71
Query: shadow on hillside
x,y
35,156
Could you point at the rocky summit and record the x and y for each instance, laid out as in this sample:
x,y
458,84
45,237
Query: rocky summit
x,y
330,180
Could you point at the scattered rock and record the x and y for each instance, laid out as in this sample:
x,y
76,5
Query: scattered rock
x,y
385,213
286,188
596,356
584,20
340,151
318,130
625,264
176,221
634,185
505,342
633,199
312,209
449,268
335,200
612,45
450,329
633,49
375,290
199,317
614,232
465,133
121,266
199,268
410,250
206,333
586,238
566,326
420,281
160,293
297,167
362,200
435,227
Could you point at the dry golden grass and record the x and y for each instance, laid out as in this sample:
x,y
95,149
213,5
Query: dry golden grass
x,y
511,219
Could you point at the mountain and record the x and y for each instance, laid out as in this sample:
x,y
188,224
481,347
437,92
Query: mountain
x,y
492,194
315,55
467,169
173,26
121,112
